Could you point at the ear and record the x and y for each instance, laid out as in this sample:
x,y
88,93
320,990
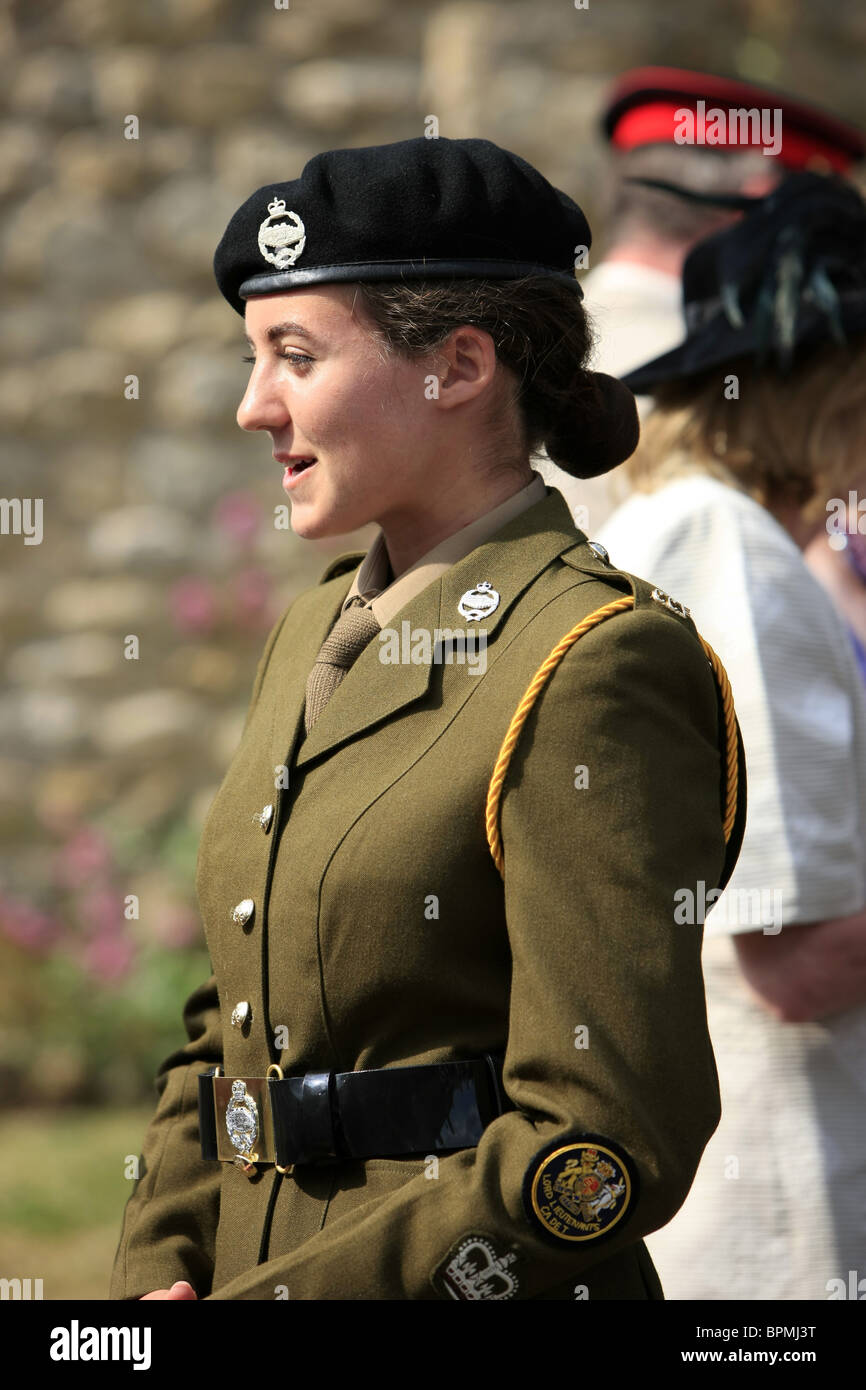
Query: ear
x,y
466,366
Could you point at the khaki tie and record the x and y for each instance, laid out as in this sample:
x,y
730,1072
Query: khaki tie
x,y
351,633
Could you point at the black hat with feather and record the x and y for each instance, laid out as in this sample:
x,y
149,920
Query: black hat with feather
x,y
783,279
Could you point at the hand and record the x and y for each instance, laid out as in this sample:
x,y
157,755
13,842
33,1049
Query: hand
x,y
180,1289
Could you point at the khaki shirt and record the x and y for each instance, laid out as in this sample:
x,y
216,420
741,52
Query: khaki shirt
x,y
387,598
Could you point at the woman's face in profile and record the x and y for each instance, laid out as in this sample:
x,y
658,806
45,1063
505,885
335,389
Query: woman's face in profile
x,y
321,389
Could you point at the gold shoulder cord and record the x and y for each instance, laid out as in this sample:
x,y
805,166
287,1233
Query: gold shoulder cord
x,y
536,685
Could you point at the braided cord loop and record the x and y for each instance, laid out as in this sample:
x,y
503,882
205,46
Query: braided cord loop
x,y
732,769
536,685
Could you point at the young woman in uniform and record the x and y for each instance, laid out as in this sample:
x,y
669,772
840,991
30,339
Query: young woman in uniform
x,y
454,1045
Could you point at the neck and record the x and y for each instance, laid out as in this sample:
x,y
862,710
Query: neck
x,y
413,531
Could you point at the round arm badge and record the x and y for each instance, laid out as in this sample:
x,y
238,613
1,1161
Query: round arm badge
x,y
578,1189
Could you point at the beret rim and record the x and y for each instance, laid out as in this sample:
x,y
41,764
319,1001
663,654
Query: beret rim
x,y
428,269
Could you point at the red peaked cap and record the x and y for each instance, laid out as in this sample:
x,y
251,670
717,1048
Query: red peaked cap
x,y
642,105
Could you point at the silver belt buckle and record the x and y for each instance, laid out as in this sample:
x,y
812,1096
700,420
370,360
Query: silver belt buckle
x,y
244,1124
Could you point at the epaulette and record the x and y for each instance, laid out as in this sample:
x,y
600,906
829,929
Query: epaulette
x,y
590,557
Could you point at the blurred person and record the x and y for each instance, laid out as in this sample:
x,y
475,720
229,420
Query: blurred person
x,y
837,558
758,420
633,294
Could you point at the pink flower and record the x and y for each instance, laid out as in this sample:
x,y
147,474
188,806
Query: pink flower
x,y
85,855
100,911
239,516
193,605
27,926
108,957
252,598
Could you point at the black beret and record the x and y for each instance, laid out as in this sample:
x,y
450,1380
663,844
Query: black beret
x,y
415,209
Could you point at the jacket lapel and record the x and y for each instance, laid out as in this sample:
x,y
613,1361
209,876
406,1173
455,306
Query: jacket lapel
x,y
307,624
374,690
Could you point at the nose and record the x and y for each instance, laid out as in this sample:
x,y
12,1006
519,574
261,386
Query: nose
x,y
262,407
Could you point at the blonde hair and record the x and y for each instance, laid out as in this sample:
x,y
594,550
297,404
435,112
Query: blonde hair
x,y
787,441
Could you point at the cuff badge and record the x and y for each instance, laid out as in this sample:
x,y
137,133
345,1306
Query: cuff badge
x,y
473,1269
579,1189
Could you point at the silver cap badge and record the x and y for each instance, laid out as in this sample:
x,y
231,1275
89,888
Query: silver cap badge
x,y
282,237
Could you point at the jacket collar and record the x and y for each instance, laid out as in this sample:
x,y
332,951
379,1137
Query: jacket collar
x,y
510,561
386,602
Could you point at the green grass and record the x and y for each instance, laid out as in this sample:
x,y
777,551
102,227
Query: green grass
x,y
62,1194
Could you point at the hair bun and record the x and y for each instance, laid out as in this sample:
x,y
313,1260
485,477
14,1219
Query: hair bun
x,y
601,435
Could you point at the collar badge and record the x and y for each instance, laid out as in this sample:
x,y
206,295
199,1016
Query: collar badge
x,y
479,602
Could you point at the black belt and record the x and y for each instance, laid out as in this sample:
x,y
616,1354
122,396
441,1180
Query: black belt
x,y
325,1117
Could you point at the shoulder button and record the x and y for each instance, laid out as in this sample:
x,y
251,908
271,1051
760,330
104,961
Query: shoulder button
x,y
599,551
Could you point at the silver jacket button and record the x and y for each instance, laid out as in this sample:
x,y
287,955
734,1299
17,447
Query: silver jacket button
x,y
265,816
243,912
598,550
241,1014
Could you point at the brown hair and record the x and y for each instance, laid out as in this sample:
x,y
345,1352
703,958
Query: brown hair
x,y
787,441
539,329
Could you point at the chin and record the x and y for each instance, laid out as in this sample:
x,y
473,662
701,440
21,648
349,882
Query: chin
x,y
313,524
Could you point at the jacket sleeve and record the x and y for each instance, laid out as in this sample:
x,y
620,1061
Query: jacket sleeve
x,y
607,1040
170,1221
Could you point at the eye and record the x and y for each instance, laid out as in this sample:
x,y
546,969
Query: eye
x,y
299,358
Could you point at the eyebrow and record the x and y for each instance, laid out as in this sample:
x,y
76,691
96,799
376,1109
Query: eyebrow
x,y
280,330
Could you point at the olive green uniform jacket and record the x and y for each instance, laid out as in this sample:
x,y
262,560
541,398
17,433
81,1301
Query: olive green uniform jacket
x,y
383,935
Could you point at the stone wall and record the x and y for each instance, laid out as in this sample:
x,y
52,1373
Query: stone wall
x,y
157,511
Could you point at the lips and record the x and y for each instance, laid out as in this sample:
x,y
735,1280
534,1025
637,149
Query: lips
x,y
297,466
296,463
